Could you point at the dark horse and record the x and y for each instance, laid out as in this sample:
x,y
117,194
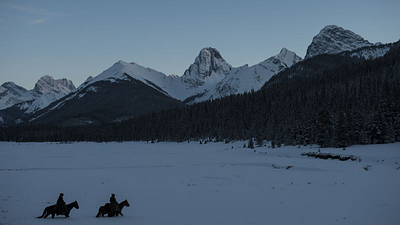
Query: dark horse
x,y
105,209
52,210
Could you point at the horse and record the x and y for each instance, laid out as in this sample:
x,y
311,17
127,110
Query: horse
x,y
106,209
52,210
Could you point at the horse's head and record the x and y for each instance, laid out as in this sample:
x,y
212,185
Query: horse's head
x,y
126,203
75,204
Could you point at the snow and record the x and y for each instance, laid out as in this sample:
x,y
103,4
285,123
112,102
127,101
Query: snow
x,y
46,91
209,75
48,85
89,89
333,39
11,94
245,78
189,183
42,101
372,53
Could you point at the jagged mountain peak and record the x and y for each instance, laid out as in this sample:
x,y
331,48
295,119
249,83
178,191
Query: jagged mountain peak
x,y
333,39
12,88
11,94
245,78
288,58
209,52
47,84
208,69
283,51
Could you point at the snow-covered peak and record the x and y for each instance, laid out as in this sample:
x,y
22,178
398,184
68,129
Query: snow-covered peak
x,y
12,88
333,39
124,71
11,94
208,68
287,57
245,78
47,85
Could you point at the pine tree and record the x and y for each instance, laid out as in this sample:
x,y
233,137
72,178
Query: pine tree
x,y
251,143
323,126
341,132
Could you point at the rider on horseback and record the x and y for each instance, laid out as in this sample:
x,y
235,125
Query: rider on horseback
x,y
60,206
114,205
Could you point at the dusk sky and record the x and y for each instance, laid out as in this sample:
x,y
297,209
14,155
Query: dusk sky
x,y
75,39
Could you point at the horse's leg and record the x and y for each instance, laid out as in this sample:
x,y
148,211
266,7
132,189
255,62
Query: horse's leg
x,y
52,215
47,214
101,212
66,213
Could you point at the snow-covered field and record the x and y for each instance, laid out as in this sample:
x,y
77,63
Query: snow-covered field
x,y
189,183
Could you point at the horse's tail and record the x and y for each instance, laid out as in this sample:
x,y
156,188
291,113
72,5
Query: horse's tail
x,y
44,212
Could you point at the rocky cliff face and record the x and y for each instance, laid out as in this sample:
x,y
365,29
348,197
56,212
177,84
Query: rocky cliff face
x,y
47,85
208,69
333,40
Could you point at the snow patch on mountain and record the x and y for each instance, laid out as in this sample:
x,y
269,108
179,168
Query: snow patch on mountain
x,y
333,39
371,53
89,89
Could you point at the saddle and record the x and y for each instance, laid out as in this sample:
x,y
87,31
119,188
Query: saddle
x,y
111,208
60,210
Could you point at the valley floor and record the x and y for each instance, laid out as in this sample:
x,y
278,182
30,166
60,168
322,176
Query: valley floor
x,y
189,183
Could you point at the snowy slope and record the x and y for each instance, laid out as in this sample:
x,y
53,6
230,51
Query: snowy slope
x,y
188,183
244,78
372,52
333,39
11,94
169,85
46,91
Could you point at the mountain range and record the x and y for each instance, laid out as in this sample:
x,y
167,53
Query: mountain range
x,y
128,90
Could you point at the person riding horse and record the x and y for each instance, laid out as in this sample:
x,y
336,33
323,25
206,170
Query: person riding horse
x,y
60,206
114,204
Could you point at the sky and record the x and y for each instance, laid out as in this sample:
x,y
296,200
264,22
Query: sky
x,y
76,39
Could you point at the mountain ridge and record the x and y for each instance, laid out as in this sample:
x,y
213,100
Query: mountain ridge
x,y
208,77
